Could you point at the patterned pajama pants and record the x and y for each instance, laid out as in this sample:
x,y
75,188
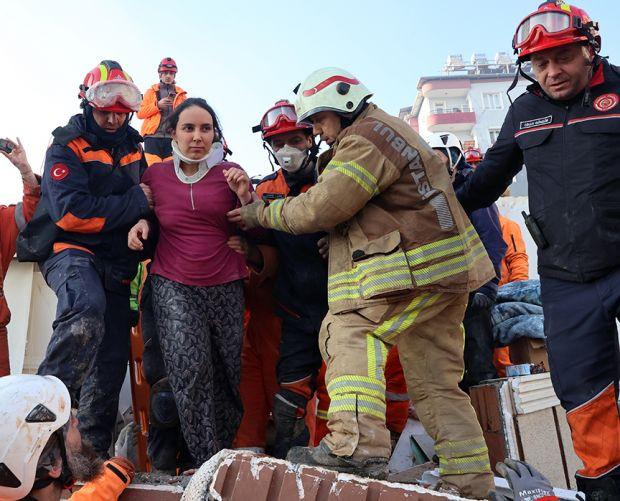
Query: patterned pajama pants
x,y
201,333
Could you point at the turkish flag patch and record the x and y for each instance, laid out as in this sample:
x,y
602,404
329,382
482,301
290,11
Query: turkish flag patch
x,y
59,172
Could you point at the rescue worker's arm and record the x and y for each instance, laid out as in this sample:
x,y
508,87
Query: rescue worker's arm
x,y
116,476
356,173
487,225
495,173
74,208
149,107
14,217
517,260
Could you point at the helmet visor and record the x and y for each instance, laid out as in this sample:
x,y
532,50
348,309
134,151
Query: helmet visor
x,y
552,22
114,92
272,117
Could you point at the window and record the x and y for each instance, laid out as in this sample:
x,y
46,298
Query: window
x,y
493,134
492,101
439,107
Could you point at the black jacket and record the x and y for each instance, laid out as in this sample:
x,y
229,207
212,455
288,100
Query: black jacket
x,y
487,225
572,153
301,285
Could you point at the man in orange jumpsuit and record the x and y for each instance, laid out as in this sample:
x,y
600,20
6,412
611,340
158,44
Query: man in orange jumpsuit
x,y
12,219
41,449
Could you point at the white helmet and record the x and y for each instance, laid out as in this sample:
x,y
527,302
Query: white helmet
x,y
32,409
330,89
449,145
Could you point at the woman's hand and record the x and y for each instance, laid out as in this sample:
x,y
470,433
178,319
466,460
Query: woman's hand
x,y
18,158
239,182
138,233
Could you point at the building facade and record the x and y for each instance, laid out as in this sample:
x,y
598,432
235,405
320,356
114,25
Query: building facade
x,y
470,101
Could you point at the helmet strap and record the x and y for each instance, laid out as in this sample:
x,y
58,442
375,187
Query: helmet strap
x,y
516,79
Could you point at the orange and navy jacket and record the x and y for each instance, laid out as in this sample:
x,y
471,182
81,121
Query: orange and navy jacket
x,y
515,264
91,193
12,219
149,111
300,287
106,487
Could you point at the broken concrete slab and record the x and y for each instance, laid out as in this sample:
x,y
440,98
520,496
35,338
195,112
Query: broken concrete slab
x,y
240,476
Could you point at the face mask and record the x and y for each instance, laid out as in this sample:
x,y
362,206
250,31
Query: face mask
x,y
291,159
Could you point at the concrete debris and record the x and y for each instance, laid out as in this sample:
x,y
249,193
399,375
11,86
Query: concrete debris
x,y
239,476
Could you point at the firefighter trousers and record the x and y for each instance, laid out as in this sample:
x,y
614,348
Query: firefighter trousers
x,y
428,332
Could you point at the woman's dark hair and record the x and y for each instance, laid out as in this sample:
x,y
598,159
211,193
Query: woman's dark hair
x,y
173,119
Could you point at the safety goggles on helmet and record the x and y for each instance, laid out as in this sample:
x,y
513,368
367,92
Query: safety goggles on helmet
x,y
167,66
554,23
112,95
275,115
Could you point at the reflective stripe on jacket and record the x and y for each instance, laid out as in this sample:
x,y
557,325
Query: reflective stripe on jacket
x,y
394,222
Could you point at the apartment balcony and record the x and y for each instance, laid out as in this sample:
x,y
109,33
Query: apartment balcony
x,y
444,88
450,121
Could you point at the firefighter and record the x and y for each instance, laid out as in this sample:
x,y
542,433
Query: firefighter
x,y
402,259
41,450
565,129
91,190
299,293
477,321
159,101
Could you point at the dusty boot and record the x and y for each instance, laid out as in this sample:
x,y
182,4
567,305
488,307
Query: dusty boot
x,y
323,457
288,418
598,489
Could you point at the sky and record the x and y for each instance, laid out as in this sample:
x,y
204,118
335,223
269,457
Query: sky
x,y
241,55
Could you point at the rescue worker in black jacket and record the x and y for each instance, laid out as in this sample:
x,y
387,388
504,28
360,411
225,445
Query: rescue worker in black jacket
x,y
566,129
479,344
92,192
300,288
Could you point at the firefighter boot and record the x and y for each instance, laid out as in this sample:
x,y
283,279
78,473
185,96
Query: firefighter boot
x,y
288,416
598,489
323,457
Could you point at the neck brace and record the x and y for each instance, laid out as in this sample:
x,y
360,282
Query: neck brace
x,y
213,157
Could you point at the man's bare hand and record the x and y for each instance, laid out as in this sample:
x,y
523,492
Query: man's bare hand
x,y
138,233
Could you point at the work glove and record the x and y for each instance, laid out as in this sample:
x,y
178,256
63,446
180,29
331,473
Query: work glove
x,y
481,300
127,466
525,481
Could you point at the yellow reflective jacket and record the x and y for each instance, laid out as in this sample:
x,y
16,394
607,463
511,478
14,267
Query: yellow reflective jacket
x,y
395,225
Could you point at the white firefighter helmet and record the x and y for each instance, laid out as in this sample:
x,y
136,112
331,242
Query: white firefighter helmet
x,y
33,408
330,89
449,145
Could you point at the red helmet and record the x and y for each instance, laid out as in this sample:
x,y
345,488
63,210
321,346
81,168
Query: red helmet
x,y
167,64
555,23
473,156
278,119
108,88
